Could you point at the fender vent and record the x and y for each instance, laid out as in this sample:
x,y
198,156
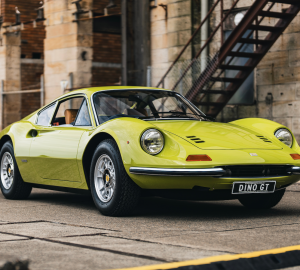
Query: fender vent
x,y
195,139
263,138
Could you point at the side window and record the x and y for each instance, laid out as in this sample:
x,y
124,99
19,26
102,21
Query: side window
x,y
45,116
67,112
83,117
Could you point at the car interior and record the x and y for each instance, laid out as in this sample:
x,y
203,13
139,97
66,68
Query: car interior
x,y
72,112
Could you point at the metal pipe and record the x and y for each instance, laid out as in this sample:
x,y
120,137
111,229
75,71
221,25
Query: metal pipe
x,y
1,104
204,33
22,92
42,90
222,28
124,42
149,76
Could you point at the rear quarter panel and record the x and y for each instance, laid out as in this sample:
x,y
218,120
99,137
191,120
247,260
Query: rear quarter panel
x,y
19,134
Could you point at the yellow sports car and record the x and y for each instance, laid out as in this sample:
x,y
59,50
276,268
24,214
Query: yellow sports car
x,y
125,142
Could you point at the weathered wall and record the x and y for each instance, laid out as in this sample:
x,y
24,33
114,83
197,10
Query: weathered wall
x,y
277,78
11,76
31,71
277,81
169,35
31,46
64,44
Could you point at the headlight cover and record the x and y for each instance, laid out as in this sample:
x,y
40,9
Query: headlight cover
x,y
152,141
284,136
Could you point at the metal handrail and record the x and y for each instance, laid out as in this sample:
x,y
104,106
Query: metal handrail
x,y
161,82
188,43
206,43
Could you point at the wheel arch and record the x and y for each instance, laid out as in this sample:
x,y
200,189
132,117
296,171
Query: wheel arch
x,y
89,152
4,139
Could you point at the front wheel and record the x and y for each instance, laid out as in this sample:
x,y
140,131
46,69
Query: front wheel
x,y
12,185
113,192
262,201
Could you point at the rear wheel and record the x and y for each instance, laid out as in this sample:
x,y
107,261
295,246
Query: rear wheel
x,y
12,185
262,201
114,193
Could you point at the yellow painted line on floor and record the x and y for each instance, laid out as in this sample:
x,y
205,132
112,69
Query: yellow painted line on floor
x,y
215,259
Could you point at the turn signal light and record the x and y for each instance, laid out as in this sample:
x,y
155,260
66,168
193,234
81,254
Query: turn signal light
x,y
198,158
295,156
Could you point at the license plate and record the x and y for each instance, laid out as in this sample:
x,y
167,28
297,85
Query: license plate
x,y
253,187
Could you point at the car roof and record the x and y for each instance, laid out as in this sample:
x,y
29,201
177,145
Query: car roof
x,y
91,90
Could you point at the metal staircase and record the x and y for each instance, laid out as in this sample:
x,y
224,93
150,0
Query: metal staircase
x,y
247,31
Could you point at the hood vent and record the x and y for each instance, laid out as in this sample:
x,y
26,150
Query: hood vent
x,y
263,138
195,139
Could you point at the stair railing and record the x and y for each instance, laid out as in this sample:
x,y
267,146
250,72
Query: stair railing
x,y
220,26
258,22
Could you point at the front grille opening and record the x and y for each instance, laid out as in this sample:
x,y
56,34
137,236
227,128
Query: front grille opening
x,y
256,170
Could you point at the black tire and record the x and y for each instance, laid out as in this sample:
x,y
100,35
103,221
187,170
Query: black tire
x,y
262,201
19,190
126,193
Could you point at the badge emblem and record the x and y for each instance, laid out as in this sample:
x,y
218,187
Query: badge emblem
x,y
107,178
253,155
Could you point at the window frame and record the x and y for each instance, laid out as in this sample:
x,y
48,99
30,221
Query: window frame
x,y
58,102
42,110
130,89
79,111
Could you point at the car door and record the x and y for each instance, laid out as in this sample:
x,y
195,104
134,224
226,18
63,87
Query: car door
x,y
53,150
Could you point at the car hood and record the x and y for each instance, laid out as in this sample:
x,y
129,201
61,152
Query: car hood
x,y
217,136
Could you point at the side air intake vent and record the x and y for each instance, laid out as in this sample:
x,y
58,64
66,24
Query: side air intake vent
x,y
195,139
263,138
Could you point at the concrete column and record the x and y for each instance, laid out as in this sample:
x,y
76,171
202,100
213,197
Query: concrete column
x,y
68,47
10,74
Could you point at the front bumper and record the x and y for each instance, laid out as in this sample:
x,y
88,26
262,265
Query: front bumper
x,y
214,172
216,178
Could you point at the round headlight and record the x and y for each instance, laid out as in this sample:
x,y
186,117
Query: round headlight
x,y
284,136
152,141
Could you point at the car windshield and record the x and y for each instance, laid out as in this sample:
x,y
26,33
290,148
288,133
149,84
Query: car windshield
x,y
144,104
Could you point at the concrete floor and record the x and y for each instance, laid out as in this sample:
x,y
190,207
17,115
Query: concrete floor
x,y
58,230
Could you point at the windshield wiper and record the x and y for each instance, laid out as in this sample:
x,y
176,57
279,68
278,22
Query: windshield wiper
x,y
183,113
147,117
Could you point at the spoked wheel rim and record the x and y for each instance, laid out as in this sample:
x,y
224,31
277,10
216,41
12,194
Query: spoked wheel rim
x,y
7,170
105,178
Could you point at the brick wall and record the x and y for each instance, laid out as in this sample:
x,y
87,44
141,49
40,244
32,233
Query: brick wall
x,y
30,79
105,76
107,48
32,38
99,6
31,75
32,46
